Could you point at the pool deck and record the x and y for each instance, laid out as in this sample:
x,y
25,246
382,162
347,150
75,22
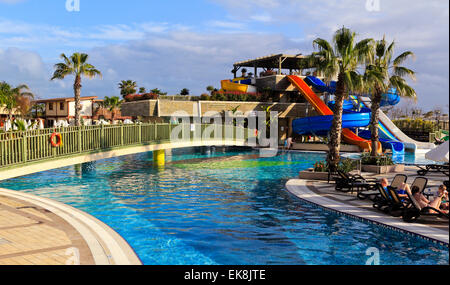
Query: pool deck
x,y
39,231
323,194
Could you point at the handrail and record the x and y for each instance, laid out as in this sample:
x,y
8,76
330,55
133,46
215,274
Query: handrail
x,y
18,148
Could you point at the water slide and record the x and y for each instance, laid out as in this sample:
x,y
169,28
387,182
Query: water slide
x,y
321,125
388,130
387,140
240,84
348,136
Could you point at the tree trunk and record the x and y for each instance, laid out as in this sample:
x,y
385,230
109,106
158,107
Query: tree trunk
x,y
336,127
77,90
376,101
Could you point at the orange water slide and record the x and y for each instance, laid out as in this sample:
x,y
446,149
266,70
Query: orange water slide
x,y
348,136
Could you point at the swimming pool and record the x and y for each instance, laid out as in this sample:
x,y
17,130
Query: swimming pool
x,y
221,207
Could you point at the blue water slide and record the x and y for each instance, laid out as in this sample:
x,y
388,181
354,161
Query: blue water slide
x,y
388,140
391,98
397,147
321,125
347,106
316,83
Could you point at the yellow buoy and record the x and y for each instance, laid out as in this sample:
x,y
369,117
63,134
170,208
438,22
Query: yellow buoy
x,y
159,158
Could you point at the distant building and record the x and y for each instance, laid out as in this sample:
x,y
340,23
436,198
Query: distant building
x,y
4,113
60,109
102,113
63,109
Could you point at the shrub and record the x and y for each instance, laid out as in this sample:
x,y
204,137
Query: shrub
x,y
417,124
235,96
320,166
139,97
379,160
204,97
346,165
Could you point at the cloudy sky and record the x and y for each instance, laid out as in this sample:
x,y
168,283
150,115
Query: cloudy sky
x,y
175,44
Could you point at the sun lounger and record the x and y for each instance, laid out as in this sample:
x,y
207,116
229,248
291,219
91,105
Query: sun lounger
x,y
420,182
398,203
347,182
396,183
413,211
383,201
437,168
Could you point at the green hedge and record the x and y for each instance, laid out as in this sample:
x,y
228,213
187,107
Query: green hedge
x,y
416,125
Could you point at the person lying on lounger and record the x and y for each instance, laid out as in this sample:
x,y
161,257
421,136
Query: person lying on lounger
x,y
401,191
444,202
424,202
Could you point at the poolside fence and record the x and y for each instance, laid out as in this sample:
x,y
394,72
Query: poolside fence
x,y
18,148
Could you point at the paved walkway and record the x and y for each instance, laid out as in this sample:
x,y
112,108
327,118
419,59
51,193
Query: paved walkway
x,y
39,231
31,235
325,195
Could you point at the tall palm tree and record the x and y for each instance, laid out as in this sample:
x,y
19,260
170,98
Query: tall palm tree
x,y
77,66
127,87
383,73
113,103
340,60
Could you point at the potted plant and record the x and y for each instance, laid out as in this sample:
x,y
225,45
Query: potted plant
x,y
379,164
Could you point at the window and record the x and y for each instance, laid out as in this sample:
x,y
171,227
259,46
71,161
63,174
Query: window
x,y
61,106
50,106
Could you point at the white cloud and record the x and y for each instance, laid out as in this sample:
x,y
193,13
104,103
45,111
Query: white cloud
x,y
173,56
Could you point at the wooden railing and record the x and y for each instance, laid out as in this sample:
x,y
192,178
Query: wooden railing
x,y
17,148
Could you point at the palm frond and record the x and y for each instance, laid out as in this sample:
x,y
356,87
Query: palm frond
x,y
402,57
404,72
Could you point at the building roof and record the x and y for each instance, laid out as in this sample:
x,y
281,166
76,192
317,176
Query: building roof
x,y
272,61
69,99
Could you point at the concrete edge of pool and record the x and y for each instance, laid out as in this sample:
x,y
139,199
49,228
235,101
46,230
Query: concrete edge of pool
x,y
298,188
106,246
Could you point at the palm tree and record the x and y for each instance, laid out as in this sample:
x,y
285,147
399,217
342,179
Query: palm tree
x,y
18,98
38,109
210,89
158,92
342,61
383,73
6,98
113,104
127,87
77,66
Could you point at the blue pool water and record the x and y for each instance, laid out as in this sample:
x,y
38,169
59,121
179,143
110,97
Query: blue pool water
x,y
226,208
407,158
